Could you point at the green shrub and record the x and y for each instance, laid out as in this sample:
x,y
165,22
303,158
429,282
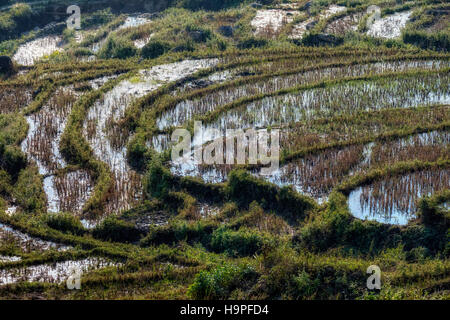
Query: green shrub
x,y
116,230
65,222
21,11
198,34
244,188
12,159
237,243
220,282
154,49
5,183
196,232
431,215
99,17
252,42
29,191
439,41
117,48
158,181
305,286
207,4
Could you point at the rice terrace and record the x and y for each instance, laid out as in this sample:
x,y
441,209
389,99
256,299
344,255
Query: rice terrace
x,y
215,150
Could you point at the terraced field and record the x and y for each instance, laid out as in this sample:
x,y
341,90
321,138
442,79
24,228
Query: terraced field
x,y
87,181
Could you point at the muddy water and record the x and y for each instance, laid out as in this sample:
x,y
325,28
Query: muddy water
x,y
389,27
32,51
394,200
58,272
186,110
100,127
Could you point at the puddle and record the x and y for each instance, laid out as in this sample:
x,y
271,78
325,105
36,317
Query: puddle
x,y
394,200
11,210
106,139
186,110
131,22
58,272
32,51
89,224
445,206
160,143
389,27
206,210
140,43
95,47
26,242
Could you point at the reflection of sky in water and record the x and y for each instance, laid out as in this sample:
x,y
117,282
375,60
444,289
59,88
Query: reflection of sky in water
x,y
366,213
394,200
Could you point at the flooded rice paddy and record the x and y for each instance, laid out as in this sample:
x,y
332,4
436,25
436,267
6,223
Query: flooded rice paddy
x,y
32,51
100,127
346,98
389,27
394,200
188,109
57,273
27,243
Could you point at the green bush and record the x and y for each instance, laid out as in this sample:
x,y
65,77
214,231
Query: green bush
x,y
198,34
117,48
237,243
158,181
29,191
5,183
207,4
244,188
197,232
154,49
12,159
116,230
65,222
21,12
439,41
431,215
219,282
252,42
97,18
